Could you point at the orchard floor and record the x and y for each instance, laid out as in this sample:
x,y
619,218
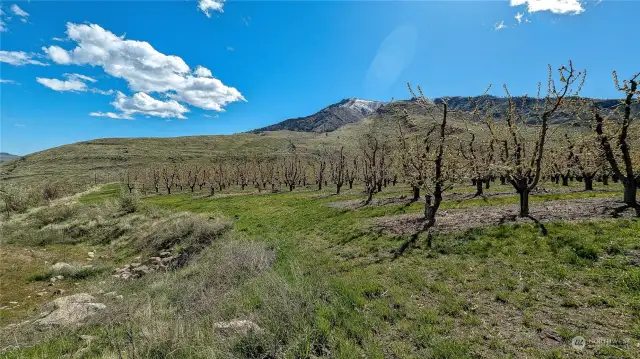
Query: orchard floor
x,y
490,286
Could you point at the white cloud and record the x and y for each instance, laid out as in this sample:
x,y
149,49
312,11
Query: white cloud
x,y
102,92
210,5
113,115
203,72
144,68
19,58
230,48
79,77
19,125
147,105
18,11
61,85
57,54
211,116
519,17
499,26
5,81
60,39
555,6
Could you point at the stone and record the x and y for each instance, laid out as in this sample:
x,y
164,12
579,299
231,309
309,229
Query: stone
x,y
62,267
165,254
58,292
59,277
143,269
69,310
238,325
91,254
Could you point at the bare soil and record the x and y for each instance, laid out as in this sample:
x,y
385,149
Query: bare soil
x,y
477,217
451,196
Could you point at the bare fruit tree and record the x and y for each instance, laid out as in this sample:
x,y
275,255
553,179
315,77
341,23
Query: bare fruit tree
x,y
430,156
522,143
586,157
338,168
168,178
621,158
373,148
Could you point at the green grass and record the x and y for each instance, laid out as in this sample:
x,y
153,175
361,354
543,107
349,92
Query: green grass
x,y
335,289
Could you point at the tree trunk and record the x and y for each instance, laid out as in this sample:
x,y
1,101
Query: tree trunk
x,y
565,180
605,180
168,190
212,190
291,187
338,187
416,193
630,192
487,183
351,184
588,183
479,188
503,180
380,186
524,203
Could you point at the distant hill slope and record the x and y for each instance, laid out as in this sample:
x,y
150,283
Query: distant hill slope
x,y
104,158
4,156
329,118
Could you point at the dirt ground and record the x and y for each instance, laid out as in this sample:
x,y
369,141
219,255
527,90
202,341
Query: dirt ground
x,y
463,219
451,196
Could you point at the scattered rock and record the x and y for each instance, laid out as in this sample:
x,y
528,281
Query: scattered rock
x,y
62,267
238,326
91,254
58,292
59,277
69,310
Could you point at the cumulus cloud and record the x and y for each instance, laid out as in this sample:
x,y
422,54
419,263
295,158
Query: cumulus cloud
x,y
73,82
20,58
145,69
499,26
16,10
519,17
62,85
203,72
206,6
147,105
113,115
555,6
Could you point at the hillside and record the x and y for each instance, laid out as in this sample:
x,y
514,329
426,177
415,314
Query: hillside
x,y
330,118
4,156
102,159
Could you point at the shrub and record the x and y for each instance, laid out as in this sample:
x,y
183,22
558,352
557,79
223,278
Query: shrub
x,y
129,202
51,191
16,199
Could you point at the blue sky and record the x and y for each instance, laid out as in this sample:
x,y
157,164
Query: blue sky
x,y
73,71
